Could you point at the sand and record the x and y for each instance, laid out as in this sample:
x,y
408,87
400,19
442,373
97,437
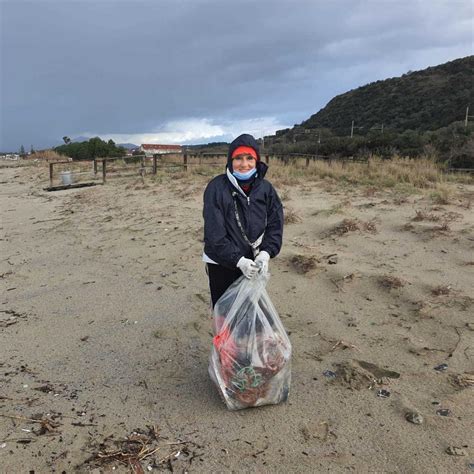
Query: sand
x,y
105,331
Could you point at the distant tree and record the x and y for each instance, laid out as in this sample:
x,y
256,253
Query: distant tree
x,y
32,150
66,140
94,148
22,151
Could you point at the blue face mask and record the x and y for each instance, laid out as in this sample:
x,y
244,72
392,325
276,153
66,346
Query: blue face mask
x,y
244,176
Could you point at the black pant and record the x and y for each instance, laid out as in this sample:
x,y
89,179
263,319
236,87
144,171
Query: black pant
x,y
220,278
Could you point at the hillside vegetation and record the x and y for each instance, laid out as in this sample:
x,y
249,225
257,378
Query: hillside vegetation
x,y
423,100
419,113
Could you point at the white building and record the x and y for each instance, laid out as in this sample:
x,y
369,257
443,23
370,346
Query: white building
x,y
151,150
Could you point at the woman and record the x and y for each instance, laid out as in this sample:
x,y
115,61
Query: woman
x,y
243,219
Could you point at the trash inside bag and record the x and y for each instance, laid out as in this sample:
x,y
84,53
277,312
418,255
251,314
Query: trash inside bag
x,y
250,358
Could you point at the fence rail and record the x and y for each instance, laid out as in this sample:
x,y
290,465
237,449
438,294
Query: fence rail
x,y
186,162
460,170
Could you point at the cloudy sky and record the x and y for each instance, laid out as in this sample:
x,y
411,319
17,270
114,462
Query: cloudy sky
x,y
196,71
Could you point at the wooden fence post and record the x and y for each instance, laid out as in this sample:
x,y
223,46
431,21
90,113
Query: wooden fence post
x,y
154,164
104,171
185,162
307,161
95,166
267,159
51,174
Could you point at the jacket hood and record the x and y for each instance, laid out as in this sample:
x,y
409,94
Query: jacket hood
x,y
242,140
246,140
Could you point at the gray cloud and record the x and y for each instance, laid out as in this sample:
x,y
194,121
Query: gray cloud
x,y
119,67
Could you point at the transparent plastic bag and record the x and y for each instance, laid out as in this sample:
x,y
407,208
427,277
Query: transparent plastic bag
x,y
250,358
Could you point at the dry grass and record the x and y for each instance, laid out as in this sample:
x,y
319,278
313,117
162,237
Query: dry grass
x,y
441,290
48,155
291,216
139,448
422,215
369,226
336,209
391,282
399,200
208,171
284,195
180,174
465,204
423,308
346,226
370,192
303,263
422,173
406,176
440,229
178,158
352,225
444,219
452,216
463,380
442,194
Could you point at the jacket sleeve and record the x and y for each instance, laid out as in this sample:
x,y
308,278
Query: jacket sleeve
x,y
217,244
273,237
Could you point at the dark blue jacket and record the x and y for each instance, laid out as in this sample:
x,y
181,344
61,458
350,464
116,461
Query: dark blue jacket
x,y
260,212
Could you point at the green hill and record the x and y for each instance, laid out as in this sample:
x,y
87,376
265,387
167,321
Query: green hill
x,y
423,100
420,113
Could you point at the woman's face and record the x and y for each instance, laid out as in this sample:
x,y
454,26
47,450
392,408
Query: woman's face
x,y
243,163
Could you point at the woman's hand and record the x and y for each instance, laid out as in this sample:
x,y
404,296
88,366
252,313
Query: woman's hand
x,y
262,260
247,267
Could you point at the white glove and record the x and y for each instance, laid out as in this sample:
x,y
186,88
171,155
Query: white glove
x,y
247,267
262,261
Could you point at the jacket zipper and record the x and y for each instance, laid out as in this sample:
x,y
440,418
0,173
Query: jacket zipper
x,y
248,212
248,215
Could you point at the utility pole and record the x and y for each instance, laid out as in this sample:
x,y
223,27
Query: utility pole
x,y
352,129
466,120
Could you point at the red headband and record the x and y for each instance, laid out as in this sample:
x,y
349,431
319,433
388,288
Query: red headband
x,y
245,150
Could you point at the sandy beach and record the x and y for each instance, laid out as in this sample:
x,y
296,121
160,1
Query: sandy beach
x,y
105,331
